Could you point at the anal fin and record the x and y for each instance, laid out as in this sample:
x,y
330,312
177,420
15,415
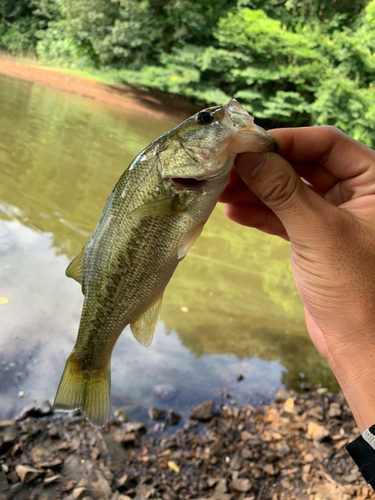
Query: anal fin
x,y
144,327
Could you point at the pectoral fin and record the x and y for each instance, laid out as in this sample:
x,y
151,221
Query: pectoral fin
x,y
75,268
166,206
193,236
144,327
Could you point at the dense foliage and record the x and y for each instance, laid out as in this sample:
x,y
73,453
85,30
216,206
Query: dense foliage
x,y
290,62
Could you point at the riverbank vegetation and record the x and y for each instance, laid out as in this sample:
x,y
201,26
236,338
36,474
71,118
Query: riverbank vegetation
x,y
290,62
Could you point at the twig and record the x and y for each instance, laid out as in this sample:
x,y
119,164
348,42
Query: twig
x,y
261,489
330,478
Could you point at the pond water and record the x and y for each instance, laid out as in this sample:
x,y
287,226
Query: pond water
x,y
230,308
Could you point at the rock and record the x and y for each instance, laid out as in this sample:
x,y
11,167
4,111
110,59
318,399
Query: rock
x,y
221,486
236,463
246,436
118,496
321,391
241,484
121,415
246,453
28,474
128,438
36,411
8,435
4,485
156,414
100,480
126,482
203,412
69,485
334,410
269,469
317,432
281,395
316,412
350,478
291,407
81,492
135,427
39,454
239,377
282,448
173,418
211,481
164,391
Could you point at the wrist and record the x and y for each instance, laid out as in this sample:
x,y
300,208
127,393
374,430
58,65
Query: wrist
x,y
355,373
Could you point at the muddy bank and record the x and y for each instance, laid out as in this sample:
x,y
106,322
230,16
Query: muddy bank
x,y
292,448
157,104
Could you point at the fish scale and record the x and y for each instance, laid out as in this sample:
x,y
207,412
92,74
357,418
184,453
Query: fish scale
x,y
153,216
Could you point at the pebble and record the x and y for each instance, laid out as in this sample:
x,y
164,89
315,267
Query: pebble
x,y
203,412
173,418
8,434
164,391
36,411
80,493
317,432
156,413
241,484
334,410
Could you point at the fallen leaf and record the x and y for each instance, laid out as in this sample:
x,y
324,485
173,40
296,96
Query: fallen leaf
x,y
173,466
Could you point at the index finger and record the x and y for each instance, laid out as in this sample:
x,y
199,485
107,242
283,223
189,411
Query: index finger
x,y
337,152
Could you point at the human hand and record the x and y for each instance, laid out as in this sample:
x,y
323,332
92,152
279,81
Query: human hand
x,y
330,223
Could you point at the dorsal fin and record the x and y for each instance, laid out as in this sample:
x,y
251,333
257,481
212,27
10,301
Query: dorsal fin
x,y
75,268
144,327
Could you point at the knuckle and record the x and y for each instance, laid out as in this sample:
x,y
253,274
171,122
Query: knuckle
x,y
279,190
332,130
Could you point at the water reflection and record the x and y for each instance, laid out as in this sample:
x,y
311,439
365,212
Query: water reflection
x,y
231,306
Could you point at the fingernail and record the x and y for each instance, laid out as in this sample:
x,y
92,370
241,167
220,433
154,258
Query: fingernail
x,y
249,164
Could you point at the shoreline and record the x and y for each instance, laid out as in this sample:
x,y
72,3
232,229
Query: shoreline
x,y
290,449
152,103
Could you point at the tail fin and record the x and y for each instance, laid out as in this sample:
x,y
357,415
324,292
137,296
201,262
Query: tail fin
x,y
80,390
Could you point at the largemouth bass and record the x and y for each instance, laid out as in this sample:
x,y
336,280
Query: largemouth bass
x,y
153,216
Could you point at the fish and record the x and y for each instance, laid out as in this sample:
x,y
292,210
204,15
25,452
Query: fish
x,y
151,219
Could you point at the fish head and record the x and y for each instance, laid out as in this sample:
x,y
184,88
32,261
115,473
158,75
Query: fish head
x,y
206,144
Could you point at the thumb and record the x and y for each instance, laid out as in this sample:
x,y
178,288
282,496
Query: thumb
x,y
275,182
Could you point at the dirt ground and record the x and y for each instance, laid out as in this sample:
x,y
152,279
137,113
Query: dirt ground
x,y
157,104
292,448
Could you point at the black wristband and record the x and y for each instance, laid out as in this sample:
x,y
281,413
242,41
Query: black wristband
x,y
362,451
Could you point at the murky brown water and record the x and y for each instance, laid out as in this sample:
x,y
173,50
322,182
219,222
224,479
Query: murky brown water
x,y
230,308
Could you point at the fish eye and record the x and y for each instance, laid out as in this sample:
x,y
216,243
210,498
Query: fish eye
x,y
204,118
